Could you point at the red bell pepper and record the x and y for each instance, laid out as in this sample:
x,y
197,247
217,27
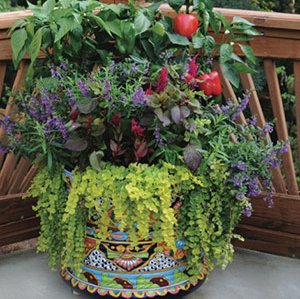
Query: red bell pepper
x,y
205,84
210,84
215,79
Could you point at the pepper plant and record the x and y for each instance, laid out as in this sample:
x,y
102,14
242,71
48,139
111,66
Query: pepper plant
x,y
88,31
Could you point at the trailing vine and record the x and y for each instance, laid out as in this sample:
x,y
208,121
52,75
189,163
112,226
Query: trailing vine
x,y
140,196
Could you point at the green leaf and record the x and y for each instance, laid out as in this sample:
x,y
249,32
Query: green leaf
x,y
236,58
176,4
178,39
247,50
159,29
49,5
141,23
206,21
35,45
101,23
18,39
95,159
243,68
114,27
18,23
126,43
251,32
65,3
65,25
225,52
239,20
209,43
231,74
198,41
215,25
115,8
50,160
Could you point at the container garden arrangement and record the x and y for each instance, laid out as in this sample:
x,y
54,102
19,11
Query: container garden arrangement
x,y
144,172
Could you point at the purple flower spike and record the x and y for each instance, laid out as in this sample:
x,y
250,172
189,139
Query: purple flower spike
x,y
158,137
252,121
83,88
285,148
139,97
267,129
247,212
240,196
240,166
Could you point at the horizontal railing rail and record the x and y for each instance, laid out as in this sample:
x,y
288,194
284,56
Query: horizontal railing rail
x,y
274,230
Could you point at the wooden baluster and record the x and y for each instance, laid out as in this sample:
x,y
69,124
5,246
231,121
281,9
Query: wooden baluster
x,y
6,172
2,75
28,178
280,123
256,110
2,156
18,84
19,175
297,94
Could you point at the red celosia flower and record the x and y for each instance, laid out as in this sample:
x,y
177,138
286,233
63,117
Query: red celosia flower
x,y
136,129
149,91
117,119
74,115
162,80
193,67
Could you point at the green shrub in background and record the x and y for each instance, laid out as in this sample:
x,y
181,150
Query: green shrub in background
x,y
275,5
288,6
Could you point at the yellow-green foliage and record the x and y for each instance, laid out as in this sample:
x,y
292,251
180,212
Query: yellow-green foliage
x,y
135,192
52,196
208,218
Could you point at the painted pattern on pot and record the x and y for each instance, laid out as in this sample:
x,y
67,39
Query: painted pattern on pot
x,y
114,268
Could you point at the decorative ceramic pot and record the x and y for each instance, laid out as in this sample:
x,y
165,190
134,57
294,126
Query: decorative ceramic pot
x,y
114,268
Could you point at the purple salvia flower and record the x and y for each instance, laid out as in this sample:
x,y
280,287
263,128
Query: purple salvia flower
x,y
217,109
83,88
267,129
3,150
55,73
225,110
240,196
272,160
252,121
111,68
133,69
63,66
240,166
55,124
285,148
70,93
107,87
72,100
247,211
210,61
108,97
237,181
245,100
139,97
7,125
240,108
253,188
53,97
158,137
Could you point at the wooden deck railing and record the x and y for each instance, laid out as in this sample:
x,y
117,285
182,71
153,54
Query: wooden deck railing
x,y
274,230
